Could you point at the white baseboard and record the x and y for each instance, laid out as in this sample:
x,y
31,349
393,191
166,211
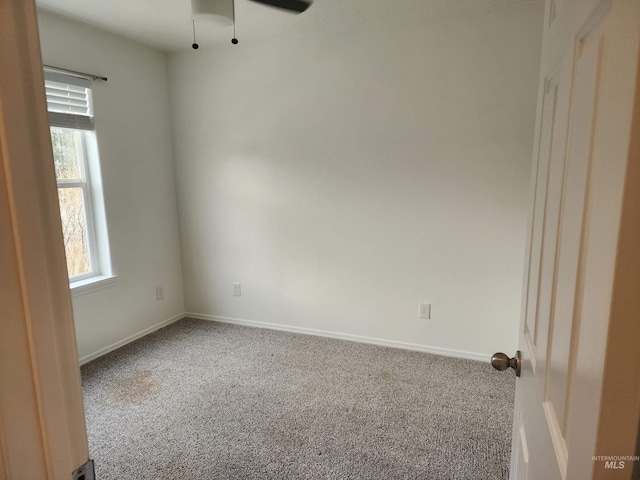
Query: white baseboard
x,y
345,336
146,331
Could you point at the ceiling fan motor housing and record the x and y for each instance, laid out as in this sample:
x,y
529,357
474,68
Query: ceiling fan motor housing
x,y
219,12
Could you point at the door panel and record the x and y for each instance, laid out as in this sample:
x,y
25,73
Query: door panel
x,y
570,241
546,393
523,454
545,231
539,209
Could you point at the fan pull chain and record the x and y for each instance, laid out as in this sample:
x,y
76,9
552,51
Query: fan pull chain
x,y
195,44
234,40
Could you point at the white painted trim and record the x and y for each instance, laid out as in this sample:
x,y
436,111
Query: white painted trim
x,y
42,421
92,284
136,336
345,336
594,20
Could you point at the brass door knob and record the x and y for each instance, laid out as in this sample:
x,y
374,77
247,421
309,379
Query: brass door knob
x,y
501,362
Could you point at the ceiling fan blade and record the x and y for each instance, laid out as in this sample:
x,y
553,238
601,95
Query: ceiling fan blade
x,y
297,6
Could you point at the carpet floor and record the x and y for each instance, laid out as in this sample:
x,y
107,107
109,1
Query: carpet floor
x,y
203,400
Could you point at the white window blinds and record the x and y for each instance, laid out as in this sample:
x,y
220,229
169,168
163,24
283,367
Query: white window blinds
x,y
68,101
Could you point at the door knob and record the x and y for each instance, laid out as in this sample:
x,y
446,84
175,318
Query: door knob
x,y
500,361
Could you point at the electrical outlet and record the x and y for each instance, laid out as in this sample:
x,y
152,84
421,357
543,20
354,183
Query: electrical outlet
x,y
237,292
424,310
159,292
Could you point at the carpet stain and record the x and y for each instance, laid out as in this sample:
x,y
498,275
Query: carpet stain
x,y
383,375
136,388
173,467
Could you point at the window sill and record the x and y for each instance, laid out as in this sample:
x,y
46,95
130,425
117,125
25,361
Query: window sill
x,y
92,284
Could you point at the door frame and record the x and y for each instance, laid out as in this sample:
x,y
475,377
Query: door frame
x,y
618,428
42,425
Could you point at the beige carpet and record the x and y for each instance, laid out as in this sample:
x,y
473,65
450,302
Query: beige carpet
x,y
202,400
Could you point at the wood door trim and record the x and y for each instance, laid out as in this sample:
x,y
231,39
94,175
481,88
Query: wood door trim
x,y
38,338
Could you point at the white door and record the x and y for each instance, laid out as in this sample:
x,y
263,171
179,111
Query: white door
x,y
581,158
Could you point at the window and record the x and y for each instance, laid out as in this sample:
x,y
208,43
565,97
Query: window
x,y
75,202
77,171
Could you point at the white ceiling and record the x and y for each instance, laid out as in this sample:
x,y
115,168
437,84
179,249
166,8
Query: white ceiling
x,y
166,24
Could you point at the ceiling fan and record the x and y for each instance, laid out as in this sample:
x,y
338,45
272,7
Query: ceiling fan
x,y
222,12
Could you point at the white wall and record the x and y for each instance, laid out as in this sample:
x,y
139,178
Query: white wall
x,y
134,140
343,178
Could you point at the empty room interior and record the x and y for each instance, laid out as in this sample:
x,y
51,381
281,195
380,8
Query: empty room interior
x,y
297,232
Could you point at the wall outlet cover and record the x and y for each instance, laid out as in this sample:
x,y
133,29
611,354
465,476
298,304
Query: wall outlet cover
x,y
424,310
159,292
237,292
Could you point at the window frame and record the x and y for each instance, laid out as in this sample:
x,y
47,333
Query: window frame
x,y
101,274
